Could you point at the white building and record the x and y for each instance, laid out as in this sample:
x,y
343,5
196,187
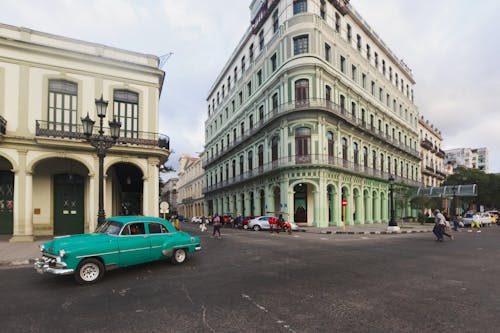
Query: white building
x,y
432,164
190,199
49,173
467,157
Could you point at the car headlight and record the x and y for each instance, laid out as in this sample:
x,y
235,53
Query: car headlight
x,y
41,247
62,253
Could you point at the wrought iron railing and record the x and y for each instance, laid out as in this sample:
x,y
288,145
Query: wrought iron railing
x,y
313,160
317,104
3,125
75,131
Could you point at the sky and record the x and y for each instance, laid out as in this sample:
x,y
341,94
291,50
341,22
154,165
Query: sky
x,y
451,46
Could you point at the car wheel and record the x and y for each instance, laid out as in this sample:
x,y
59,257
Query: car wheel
x,y
89,271
256,227
179,256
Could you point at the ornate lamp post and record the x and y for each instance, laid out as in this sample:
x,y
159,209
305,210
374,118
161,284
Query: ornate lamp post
x,y
453,204
393,226
101,143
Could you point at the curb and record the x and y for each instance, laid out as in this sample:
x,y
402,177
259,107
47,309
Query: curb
x,y
328,232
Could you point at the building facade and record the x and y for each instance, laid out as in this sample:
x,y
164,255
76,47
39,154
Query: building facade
x,y
432,165
466,157
169,194
190,199
311,110
49,173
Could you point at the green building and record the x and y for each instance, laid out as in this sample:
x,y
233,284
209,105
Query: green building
x,y
311,109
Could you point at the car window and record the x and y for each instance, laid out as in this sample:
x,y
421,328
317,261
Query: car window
x,y
134,229
157,228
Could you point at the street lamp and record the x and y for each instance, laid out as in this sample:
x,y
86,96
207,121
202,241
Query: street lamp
x,y
101,143
453,204
393,226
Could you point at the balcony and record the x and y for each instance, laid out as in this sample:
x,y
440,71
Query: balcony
x,y
310,161
3,125
340,5
426,144
313,104
440,153
75,131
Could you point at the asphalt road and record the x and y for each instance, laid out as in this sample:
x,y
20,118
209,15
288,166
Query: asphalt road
x,y
261,282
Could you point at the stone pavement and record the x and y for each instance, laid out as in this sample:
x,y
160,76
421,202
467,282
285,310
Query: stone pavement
x,y
19,253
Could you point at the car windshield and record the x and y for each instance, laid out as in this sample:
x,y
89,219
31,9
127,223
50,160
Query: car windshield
x,y
110,228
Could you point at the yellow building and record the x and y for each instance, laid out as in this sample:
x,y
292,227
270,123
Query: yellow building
x,y
49,173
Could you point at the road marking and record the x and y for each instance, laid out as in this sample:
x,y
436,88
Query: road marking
x,y
278,321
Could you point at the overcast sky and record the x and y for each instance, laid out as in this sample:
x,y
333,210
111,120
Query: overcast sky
x,y
451,45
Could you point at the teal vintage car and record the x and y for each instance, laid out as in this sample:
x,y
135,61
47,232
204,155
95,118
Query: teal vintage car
x,y
120,241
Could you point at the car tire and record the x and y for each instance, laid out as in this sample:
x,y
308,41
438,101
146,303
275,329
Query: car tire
x,y
179,256
89,271
256,227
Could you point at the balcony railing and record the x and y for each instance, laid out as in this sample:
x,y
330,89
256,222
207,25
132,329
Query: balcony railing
x,y
312,160
75,131
427,144
3,125
313,104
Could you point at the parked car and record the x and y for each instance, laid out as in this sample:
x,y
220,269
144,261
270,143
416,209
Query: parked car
x,y
485,218
120,241
262,223
246,219
196,219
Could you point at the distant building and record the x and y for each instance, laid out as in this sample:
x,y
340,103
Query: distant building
x,y
311,110
169,194
190,199
432,164
466,157
49,173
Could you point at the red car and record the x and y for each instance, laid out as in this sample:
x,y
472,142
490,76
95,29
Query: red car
x,y
246,219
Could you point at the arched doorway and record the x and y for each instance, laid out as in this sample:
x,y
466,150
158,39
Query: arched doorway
x,y
69,204
6,197
127,189
262,198
59,186
300,202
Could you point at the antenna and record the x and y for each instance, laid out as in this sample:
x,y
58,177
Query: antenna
x,y
164,58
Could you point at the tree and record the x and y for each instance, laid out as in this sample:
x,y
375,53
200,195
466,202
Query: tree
x,y
488,186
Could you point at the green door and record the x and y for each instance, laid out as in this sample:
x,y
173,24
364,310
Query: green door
x,y
68,204
6,202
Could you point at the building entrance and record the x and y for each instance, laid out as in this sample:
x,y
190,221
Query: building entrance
x,y
6,202
68,204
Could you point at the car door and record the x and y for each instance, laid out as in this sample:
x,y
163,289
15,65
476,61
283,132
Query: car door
x,y
161,239
264,222
134,246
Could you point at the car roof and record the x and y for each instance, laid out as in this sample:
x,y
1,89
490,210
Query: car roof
x,y
139,218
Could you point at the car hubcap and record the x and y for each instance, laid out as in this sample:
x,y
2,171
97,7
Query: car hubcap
x,y
89,272
180,256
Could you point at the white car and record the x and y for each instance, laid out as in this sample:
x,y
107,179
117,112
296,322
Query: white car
x,y
262,223
196,219
485,219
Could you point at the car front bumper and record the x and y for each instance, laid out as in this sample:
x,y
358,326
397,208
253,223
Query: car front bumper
x,y
51,265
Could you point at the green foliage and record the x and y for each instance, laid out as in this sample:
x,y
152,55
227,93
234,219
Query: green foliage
x,y
488,186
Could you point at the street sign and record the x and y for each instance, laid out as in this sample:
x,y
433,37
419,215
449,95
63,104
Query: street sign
x,y
164,205
344,202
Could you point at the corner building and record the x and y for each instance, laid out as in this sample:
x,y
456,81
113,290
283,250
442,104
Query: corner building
x,y
311,109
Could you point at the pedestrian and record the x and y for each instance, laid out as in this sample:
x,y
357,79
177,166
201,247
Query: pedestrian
x,y
273,224
455,221
476,222
203,223
438,225
217,223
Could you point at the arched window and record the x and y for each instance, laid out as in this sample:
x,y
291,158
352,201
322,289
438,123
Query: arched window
x,y
241,165
355,152
260,156
331,145
250,160
365,156
63,106
274,149
126,111
328,96
302,92
344,151
374,159
303,145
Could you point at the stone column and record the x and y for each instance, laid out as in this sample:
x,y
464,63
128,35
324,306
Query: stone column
x,y
23,202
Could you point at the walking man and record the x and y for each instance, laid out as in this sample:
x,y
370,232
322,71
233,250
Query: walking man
x,y
438,225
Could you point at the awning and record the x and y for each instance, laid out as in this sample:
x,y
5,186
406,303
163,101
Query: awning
x,y
448,191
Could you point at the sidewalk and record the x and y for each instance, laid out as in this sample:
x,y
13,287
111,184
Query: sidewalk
x,y
19,253
370,229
